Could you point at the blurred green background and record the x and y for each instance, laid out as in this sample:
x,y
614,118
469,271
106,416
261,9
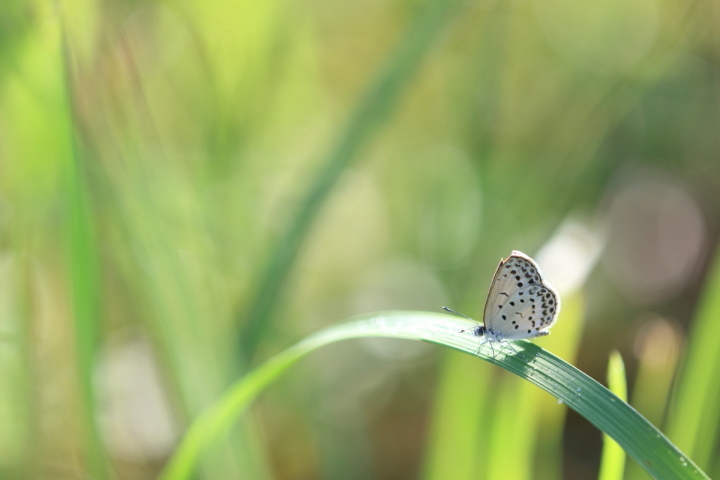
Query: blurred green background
x,y
188,187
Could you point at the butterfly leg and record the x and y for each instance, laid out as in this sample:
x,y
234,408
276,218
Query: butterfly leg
x,y
477,354
482,345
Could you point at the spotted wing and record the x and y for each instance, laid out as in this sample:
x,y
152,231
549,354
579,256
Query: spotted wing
x,y
520,304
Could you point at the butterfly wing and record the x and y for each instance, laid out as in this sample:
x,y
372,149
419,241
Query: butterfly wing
x,y
520,304
499,284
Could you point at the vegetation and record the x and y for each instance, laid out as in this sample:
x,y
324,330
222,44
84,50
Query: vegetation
x,y
188,189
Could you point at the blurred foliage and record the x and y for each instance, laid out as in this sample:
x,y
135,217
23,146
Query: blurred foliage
x,y
159,160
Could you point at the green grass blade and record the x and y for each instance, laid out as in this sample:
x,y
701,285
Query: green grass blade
x,y
527,419
641,440
513,418
458,425
694,417
565,342
658,356
83,265
612,463
373,108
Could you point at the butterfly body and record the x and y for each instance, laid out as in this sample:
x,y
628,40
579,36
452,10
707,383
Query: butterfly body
x,y
481,331
520,304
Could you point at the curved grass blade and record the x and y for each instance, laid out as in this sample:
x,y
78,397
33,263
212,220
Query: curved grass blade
x,y
640,439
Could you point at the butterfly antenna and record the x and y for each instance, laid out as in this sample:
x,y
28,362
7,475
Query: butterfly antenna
x,y
457,313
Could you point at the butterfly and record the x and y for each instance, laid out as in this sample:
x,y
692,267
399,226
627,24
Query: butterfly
x,y
520,304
